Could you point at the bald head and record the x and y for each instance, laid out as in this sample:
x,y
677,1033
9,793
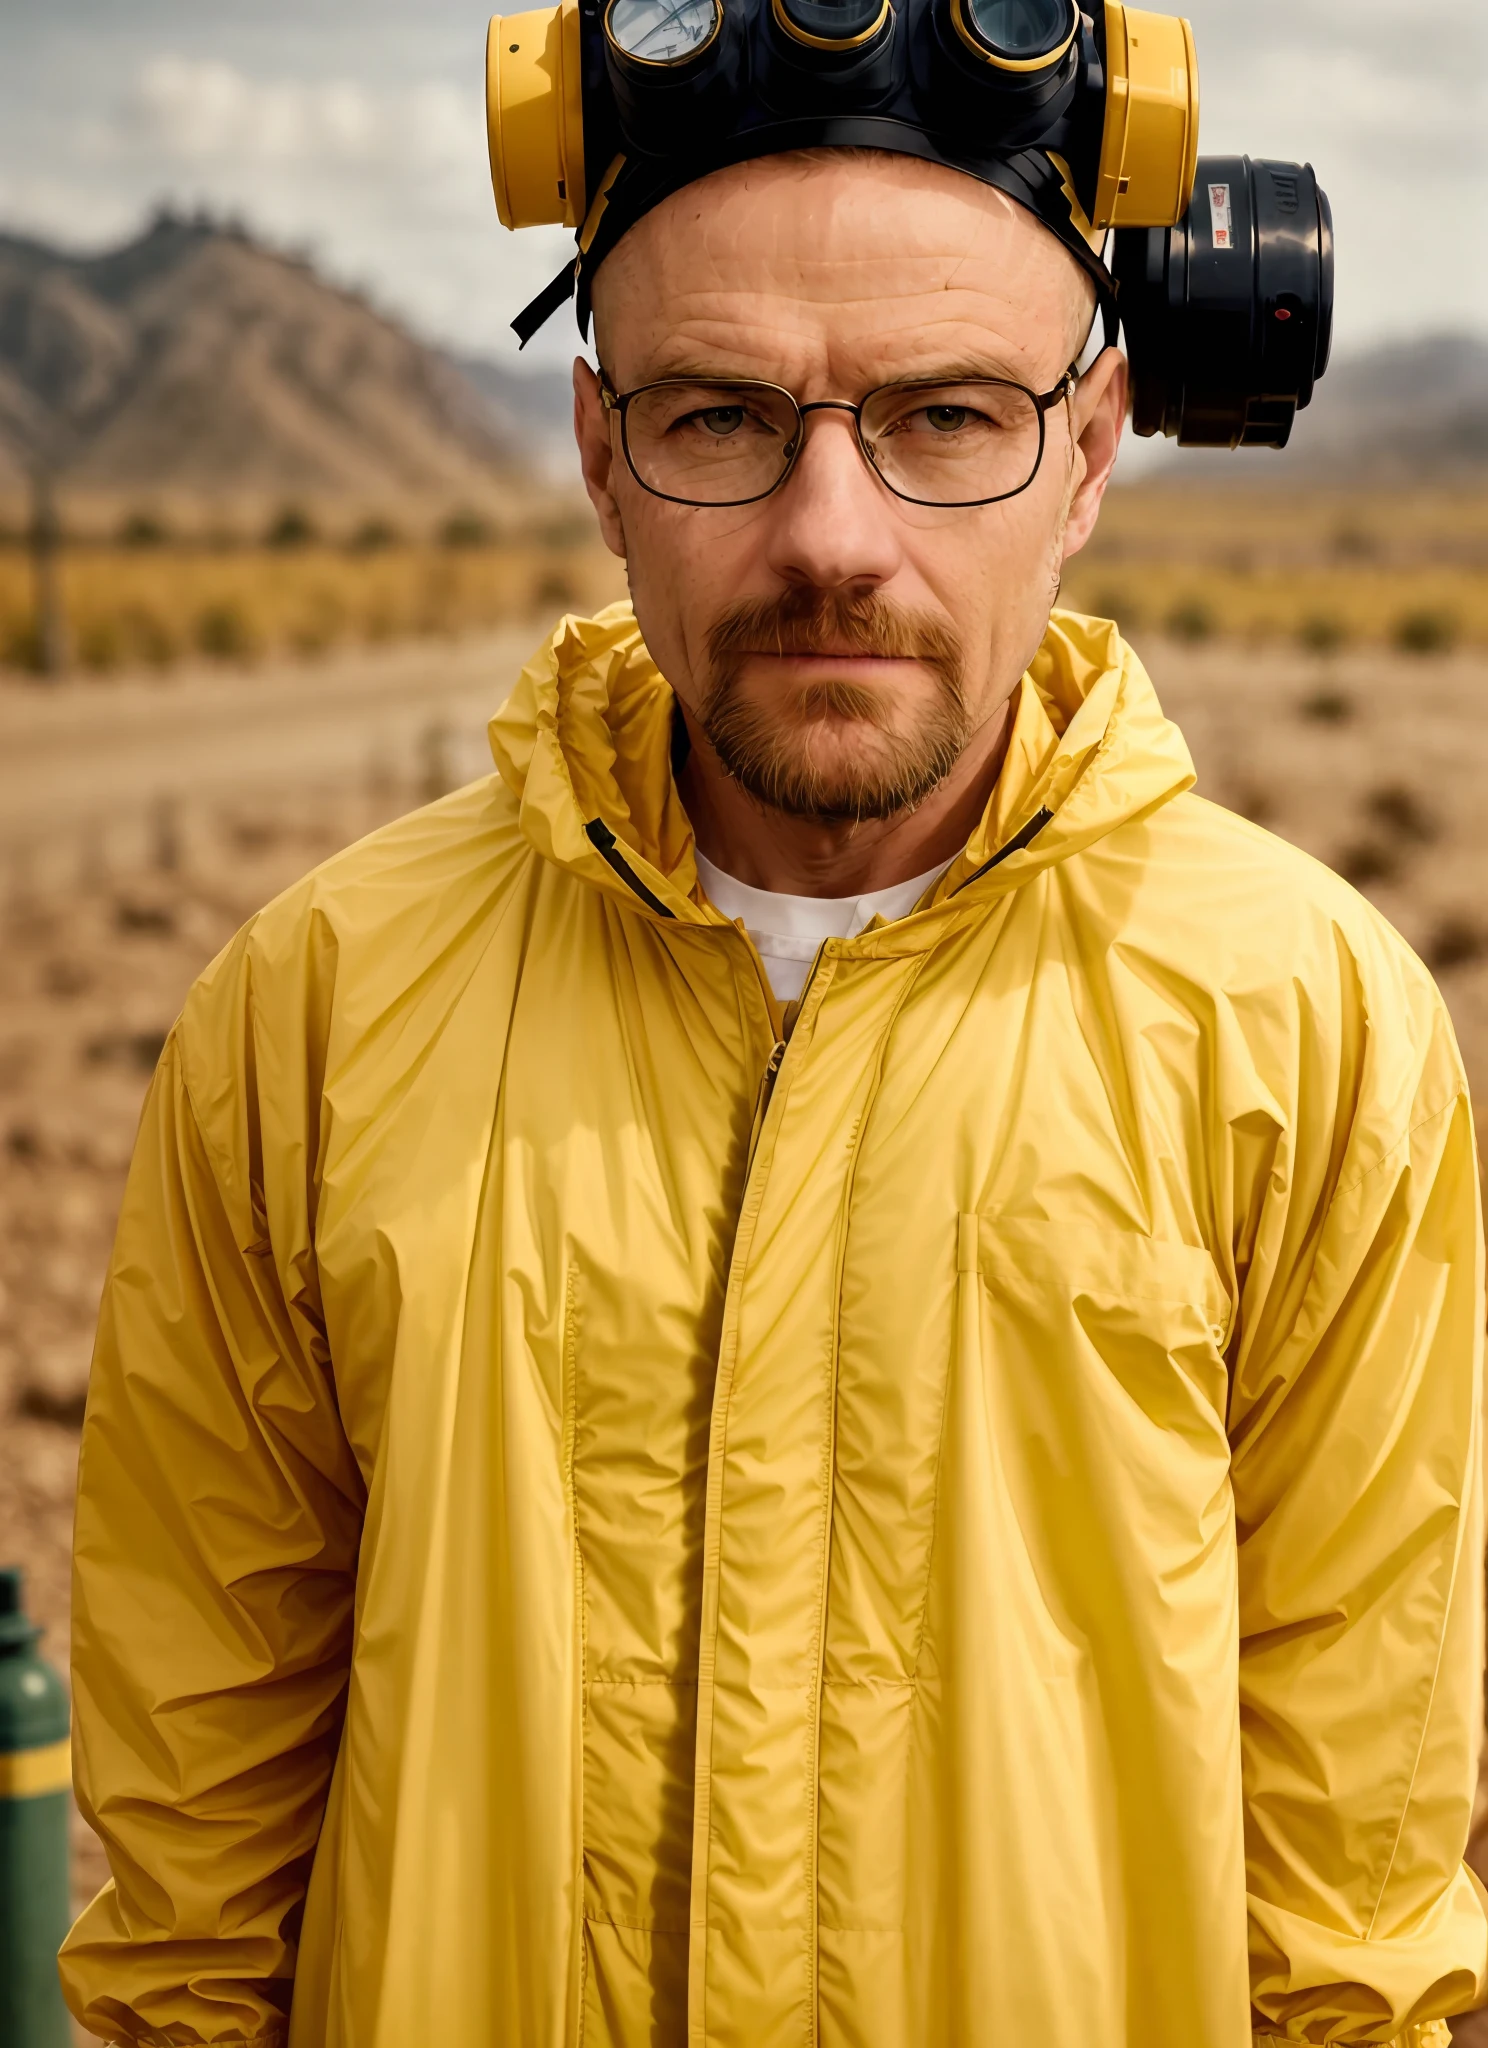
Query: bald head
x,y
887,266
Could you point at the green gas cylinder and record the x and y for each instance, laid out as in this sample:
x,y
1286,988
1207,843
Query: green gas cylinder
x,y
35,1776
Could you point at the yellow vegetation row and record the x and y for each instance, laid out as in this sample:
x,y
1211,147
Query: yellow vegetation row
x,y
130,607
1423,611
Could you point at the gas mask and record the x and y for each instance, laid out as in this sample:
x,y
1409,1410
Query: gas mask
x,y
1218,271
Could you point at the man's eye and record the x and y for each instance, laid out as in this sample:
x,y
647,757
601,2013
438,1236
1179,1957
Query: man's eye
x,y
948,419
719,419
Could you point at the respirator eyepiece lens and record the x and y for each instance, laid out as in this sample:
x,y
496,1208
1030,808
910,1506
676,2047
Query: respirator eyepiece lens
x,y
1017,35
661,32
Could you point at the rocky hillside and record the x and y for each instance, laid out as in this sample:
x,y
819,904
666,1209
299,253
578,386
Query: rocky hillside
x,y
196,365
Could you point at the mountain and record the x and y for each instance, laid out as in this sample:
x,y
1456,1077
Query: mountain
x,y
1406,409
533,409
195,364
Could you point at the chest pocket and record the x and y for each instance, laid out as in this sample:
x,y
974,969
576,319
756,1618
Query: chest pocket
x,y
1103,1360
1118,1290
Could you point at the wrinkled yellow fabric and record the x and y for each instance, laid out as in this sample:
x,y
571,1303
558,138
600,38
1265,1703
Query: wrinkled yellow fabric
x,y
975,1545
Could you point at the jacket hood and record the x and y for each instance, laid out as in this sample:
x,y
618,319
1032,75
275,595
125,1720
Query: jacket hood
x,y
584,744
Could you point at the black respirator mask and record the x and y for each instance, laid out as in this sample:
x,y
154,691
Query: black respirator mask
x,y
1218,269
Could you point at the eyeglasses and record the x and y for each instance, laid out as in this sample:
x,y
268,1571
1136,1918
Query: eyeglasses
x,y
729,441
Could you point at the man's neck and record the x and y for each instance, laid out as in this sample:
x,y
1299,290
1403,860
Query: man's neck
x,y
768,849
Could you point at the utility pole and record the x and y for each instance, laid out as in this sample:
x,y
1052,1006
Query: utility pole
x,y
46,549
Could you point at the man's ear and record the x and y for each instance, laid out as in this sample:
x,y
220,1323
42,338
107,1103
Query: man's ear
x,y
1097,415
597,454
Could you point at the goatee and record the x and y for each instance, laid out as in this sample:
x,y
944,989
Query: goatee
x,y
774,750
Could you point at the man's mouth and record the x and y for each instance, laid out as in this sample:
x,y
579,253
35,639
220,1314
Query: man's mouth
x,y
834,658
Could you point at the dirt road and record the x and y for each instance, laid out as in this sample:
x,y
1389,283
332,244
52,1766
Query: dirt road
x,y
93,775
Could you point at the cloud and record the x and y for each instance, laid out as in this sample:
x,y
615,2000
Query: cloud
x,y
383,176
198,112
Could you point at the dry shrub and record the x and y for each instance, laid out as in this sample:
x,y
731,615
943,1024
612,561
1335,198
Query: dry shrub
x,y
225,630
1426,630
20,643
290,528
1190,620
1369,860
1322,633
138,1051
141,919
553,591
466,530
1117,602
1456,941
1400,812
373,536
1355,544
1328,707
99,643
143,530
1253,800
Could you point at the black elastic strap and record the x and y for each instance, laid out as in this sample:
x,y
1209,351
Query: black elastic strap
x,y
681,741
1021,838
546,304
1025,175
602,839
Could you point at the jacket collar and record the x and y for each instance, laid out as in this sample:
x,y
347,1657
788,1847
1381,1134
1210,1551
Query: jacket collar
x,y
584,745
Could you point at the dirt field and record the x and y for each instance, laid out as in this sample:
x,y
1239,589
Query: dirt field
x,y
1375,762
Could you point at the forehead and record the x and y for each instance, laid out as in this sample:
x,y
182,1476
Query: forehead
x,y
838,270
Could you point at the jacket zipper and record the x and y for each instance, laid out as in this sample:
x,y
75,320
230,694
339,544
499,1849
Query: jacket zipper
x,y
773,1065
750,1197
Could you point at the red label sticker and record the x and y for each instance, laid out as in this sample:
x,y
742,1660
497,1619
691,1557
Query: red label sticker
x,y
1220,220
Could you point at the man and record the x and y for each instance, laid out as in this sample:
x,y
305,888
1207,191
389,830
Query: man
x,y
901,1481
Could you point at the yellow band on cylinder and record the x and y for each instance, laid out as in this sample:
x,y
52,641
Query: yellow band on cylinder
x,y
26,1773
535,117
1150,142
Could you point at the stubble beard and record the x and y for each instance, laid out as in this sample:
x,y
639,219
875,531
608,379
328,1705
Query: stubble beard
x,y
791,756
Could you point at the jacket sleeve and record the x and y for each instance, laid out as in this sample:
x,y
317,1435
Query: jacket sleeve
x,y
1356,1473
218,1515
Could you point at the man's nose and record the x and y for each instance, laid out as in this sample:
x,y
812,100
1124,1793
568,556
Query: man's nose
x,y
832,522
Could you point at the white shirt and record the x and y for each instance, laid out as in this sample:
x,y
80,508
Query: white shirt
x,y
788,929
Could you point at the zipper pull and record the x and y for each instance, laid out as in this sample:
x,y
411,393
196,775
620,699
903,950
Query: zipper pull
x,y
766,1089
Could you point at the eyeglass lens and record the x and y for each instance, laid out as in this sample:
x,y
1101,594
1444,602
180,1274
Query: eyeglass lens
x,y
725,444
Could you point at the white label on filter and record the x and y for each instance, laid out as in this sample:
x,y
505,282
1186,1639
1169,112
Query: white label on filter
x,y
1219,216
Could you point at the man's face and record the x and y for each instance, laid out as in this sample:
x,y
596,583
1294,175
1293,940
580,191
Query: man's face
x,y
837,646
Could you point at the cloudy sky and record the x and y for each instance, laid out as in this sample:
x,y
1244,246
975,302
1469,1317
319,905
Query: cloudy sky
x,y
357,130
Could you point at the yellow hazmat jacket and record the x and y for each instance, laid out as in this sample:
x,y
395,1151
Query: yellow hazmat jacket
x,y
962,1532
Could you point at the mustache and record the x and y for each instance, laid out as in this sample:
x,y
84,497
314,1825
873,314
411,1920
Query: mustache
x,y
808,620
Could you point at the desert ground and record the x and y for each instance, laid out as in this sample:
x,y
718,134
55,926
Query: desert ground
x,y
142,818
